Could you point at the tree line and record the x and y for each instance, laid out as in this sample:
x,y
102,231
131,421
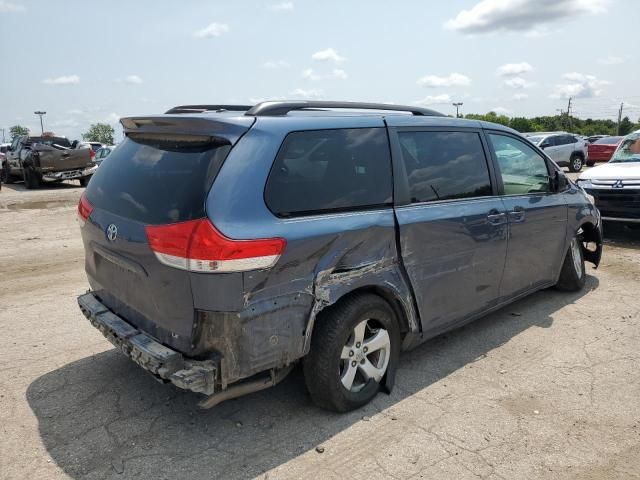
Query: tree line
x,y
554,123
98,132
104,133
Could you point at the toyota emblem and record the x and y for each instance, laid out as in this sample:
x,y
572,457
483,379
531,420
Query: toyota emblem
x,y
112,232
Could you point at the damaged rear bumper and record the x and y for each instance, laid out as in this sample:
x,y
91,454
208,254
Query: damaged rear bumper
x,y
166,364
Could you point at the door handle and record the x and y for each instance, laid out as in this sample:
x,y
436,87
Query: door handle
x,y
497,218
517,214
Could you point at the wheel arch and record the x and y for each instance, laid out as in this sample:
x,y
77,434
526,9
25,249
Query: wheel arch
x,y
401,304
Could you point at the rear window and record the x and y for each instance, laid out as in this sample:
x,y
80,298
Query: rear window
x,y
444,165
158,180
62,141
330,170
608,141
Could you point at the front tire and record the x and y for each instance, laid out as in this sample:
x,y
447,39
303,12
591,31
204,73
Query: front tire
x,y
573,275
576,163
354,346
31,178
84,181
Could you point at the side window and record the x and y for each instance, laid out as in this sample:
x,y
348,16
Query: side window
x,y
321,170
523,170
444,165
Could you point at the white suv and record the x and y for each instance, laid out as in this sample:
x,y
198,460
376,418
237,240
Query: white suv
x,y
566,149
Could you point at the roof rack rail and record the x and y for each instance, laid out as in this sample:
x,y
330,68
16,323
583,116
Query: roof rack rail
x,y
208,108
277,108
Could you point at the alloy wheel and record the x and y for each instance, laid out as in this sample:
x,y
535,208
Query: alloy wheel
x,y
575,255
365,356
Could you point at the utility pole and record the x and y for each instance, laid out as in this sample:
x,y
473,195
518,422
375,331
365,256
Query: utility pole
x,y
569,113
457,105
619,118
40,114
2,135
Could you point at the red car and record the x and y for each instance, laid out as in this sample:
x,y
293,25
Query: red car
x,y
601,150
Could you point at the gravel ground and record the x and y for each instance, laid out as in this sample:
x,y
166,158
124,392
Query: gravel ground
x,y
545,388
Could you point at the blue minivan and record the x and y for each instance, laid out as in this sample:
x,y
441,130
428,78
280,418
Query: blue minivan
x,y
225,244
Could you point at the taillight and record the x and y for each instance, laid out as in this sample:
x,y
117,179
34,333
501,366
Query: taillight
x,y
198,246
92,154
84,209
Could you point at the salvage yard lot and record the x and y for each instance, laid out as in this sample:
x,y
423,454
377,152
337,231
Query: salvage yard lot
x,y
545,388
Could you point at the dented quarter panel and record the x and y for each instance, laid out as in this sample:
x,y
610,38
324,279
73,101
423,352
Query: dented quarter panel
x,y
326,257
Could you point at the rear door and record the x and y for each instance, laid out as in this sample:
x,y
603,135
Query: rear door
x,y
537,215
452,224
152,179
553,147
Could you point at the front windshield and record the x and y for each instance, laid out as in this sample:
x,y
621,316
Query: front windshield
x,y
629,150
536,139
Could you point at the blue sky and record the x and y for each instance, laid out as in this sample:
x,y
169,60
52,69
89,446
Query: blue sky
x,y
85,61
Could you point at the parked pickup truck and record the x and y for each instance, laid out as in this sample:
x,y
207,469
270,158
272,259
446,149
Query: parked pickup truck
x,y
46,158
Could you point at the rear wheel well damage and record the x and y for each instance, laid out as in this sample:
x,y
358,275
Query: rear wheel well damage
x,y
407,320
591,237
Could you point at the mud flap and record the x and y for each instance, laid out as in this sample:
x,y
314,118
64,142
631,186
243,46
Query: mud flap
x,y
591,234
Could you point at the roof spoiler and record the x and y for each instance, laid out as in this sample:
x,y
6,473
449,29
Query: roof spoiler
x,y
230,129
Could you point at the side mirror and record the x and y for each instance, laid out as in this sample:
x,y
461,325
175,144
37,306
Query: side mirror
x,y
543,145
559,182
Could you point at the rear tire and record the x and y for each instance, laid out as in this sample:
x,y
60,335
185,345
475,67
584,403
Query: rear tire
x,y
573,275
575,163
355,343
6,176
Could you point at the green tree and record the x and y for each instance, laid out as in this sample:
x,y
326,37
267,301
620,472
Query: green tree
x,y
18,130
99,132
626,126
521,124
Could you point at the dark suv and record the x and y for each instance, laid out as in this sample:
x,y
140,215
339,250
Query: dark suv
x,y
225,243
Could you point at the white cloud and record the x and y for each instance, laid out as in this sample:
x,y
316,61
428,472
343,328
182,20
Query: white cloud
x,y
435,100
452,80
133,79
518,83
579,85
501,110
8,7
336,74
611,60
63,80
520,15
282,6
112,118
275,64
328,55
310,94
65,123
212,30
520,96
514,69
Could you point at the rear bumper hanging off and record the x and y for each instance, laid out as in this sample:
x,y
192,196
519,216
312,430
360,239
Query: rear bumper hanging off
x,y
163,362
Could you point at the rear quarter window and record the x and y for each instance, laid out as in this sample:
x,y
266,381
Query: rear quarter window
x,y
330,170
